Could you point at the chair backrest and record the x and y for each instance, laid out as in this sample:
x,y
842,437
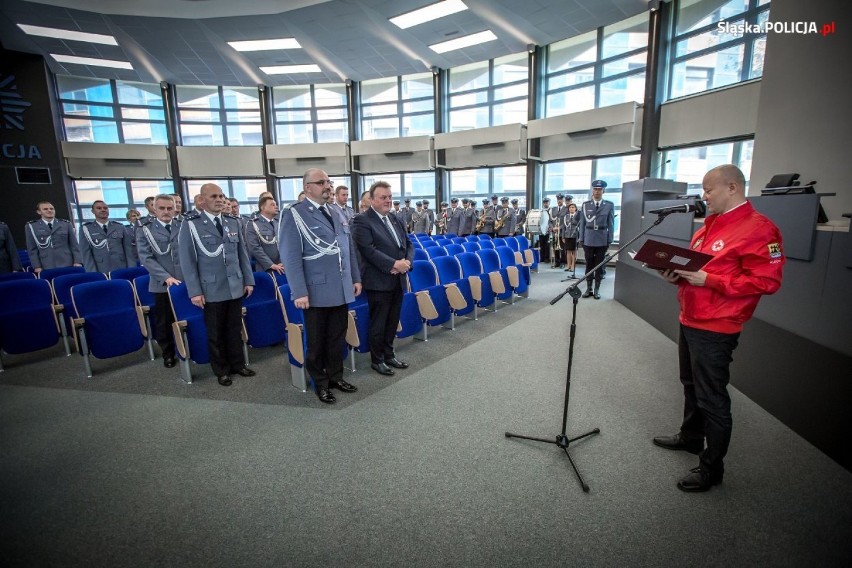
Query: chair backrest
x,y
140,284
422,275
264,319
429,243
51,273
415,243
484,237
486,245
27,320
523,242
507,256
435,252
24,256
420,254
449,269
499,242
442,241
470,263
471,246
490,260
280,279
111,321
512,243
472,238
450,236
62,287
196,332
292,313
128,273
459,240
16,276
454,249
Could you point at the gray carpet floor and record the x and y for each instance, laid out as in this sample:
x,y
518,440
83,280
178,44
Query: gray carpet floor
x,y
135,468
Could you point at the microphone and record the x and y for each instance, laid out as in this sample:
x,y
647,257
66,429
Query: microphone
x,y
660,167
685,208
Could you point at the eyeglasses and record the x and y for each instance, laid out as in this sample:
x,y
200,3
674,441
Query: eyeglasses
x,y
322,182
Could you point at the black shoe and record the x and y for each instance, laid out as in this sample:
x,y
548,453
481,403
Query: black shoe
x,y
169,362
597,294
698,479
587,293
678,442
396,363
225,380
382,369
244,372
325,396
344,386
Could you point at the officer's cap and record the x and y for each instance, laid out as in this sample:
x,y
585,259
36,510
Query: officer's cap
x,y
599,183
465,200
396,202
425,202
546,200
485,201
560,196
514,202
408,200
455,200
493,197
419,203
504,199
444,204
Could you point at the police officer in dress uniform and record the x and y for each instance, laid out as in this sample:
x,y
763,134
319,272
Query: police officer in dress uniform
x,y
218,274
557,215
407,213
105,245
322,269
454,217
430,217
419,219
489,215
9,259
50,241
262,237
520,218
157,243
597,224
340,204
468,222
507,214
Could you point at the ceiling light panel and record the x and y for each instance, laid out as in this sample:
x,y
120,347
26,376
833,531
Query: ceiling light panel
x,y
68,34
286,69
428,13
464,41
91,61
265,44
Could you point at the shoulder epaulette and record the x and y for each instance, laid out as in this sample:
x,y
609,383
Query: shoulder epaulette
x,y
230,216
33,221
63,220
145,221
88,222
193,215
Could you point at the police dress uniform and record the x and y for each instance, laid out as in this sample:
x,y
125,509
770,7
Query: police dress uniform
x,y
262,241
9,259
419,221
557,215
505,213
490,215
597,222
520,218
407,213
52,245
215,264
454,219
105,248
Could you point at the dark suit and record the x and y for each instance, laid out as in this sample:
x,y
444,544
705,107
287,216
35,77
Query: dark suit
x,y
9,259
377,252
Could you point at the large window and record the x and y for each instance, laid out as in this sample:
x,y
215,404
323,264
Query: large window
x,y
416,185
290,188
491,93
120,195
396,107
309,114
246,191
706,55
482,183
101,110
597,69
219,116
690,164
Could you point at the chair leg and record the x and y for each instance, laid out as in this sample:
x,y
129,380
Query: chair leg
x,y
64,331
1,362
423,334
298,375
452,326
185,370
84,352
245,354
149,340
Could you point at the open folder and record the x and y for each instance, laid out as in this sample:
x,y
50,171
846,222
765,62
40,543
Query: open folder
x,y
663,256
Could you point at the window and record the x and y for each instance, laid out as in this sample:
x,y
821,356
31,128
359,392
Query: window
x,y
690,164
482,183
309,114
120,195
706,56
101,110
490,93
246,191
290,188
597,69
417,185
219,116
396,107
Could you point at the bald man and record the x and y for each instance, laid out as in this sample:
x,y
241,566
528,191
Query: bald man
x,y
715,302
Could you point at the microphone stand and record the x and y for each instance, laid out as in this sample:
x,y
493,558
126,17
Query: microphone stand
x,y
562,440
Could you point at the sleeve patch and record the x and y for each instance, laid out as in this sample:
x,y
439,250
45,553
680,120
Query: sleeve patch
x,y
775,250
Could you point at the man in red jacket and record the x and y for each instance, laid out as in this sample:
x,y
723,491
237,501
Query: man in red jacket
x,y
715,302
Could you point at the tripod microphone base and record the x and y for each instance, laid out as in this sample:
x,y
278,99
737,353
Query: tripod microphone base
x,y
563,442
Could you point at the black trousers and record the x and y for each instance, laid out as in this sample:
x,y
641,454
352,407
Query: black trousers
x,y
385,306
705,359
326,332
224,326
594,256
163,319
544,248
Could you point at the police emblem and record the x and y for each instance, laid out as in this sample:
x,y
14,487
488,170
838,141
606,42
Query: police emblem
x,y
698,243
718,245
775,250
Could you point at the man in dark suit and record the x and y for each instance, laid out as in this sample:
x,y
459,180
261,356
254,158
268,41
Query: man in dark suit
x,y
9,259
385,255
322,270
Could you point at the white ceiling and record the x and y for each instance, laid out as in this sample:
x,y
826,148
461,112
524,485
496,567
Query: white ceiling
x,y
349,39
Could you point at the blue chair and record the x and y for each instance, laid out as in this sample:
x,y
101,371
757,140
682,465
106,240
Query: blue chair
x,y
358,330
429,243
62,294
472,238
454,249
480,284
497,275
471,246
280,279
531,256
484,237
450,236
435,252
28,319
51,273
264,319
512,243
499,242
442,241
108,322
431,295
456,285
421,254
459,240
128,273
24,256
518,281
9,276
415,243
145,299
486,244
410,321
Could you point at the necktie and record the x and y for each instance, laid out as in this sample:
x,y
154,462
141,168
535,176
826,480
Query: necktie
x,y
169,227
392,232
597,205
104,228
219,226
50,226
327,215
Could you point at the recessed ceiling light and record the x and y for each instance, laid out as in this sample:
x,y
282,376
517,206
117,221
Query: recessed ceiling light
x,y
284,69
428,13
91,61
68,34
265,44
464,41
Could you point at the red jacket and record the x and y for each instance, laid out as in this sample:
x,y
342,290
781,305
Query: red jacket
x,y
748,258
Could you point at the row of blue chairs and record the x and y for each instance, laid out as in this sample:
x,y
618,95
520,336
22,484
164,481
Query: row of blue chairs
x,y
52,273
